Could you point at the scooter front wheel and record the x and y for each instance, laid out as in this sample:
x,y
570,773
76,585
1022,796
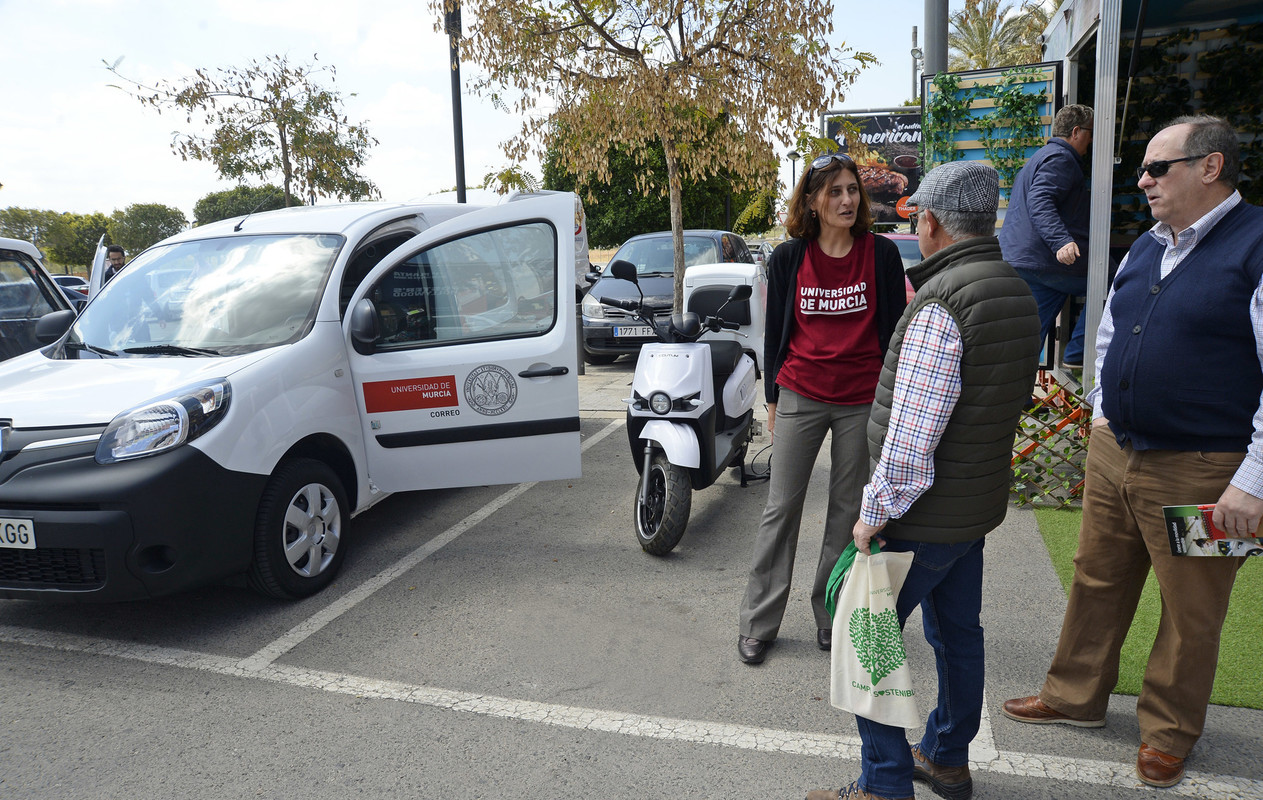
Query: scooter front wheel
x,y
664,513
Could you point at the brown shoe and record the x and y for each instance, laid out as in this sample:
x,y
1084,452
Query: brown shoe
x,y
954,783
852,792
1156,768
1033,710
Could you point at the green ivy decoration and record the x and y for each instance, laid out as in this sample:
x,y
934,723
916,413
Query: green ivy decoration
x,y
1015,126
945,115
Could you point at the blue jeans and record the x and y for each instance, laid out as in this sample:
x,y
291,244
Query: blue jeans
x,y
1051,290
946,581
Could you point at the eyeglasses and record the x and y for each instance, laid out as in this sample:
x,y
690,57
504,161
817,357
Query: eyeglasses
x,y
1157,169
820,162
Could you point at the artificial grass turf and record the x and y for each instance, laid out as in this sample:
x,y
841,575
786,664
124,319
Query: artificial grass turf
x,y
1240,646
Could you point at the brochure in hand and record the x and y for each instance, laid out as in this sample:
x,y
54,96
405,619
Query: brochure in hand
x,y
1192,532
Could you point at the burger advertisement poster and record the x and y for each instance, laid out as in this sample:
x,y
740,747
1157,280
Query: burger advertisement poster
x,y
886,147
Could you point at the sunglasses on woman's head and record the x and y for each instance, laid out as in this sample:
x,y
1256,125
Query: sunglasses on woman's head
x,y
1157,169
820,162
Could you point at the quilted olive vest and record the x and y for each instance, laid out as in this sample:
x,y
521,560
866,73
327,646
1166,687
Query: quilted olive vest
x,y
999,325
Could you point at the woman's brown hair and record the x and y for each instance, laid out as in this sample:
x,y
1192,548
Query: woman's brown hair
x,y
800,223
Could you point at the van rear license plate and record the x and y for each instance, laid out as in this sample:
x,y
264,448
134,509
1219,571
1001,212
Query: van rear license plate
x,y
17,533
633,330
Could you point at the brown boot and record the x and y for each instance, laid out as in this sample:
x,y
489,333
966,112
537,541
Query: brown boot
x,y
1032,709
954,783
1157,768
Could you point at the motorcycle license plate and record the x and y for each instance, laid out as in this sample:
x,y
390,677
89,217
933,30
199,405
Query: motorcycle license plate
x,y
17,533
633,330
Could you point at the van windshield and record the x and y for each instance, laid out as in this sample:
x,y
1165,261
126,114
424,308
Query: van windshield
x,y
209,297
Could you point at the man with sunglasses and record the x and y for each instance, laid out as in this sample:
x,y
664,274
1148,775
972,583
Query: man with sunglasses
x,y
1177,419
1045,232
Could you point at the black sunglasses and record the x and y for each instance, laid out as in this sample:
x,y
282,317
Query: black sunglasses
x,y
1157,169
820,162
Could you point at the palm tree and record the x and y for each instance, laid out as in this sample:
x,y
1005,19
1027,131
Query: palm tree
x,y
987,33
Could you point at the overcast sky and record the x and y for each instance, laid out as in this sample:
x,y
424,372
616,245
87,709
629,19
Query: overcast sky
x,y
70,142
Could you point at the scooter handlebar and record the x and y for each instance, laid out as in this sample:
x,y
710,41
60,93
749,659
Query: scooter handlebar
x,y
618,302
718,323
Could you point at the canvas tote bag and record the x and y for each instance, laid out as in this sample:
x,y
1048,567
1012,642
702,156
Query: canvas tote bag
x,y
869,673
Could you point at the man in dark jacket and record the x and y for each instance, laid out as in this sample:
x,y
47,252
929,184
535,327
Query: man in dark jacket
x,y
957,373
114,257
1045,232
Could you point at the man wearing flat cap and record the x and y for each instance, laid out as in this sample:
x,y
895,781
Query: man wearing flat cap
x,y
955,379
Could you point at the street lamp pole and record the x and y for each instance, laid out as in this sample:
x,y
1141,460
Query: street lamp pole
x,y
793,157
918,62
451,23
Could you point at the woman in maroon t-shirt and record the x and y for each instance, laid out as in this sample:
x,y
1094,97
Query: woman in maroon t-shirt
x,y
835,294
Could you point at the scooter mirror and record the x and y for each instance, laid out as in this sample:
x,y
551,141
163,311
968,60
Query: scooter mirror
x,y
623,270
740,292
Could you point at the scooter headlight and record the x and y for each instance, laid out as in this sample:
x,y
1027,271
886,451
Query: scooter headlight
x,y
660,403
164,424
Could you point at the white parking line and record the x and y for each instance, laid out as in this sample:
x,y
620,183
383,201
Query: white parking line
x,y
1093,772
299,633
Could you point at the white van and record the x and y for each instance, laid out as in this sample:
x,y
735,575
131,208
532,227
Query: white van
x,y
241,390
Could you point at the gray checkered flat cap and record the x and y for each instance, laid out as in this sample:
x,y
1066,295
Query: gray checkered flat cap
x,y
959,186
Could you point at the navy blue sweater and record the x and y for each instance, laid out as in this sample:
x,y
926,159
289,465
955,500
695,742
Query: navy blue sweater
x,y
1182,370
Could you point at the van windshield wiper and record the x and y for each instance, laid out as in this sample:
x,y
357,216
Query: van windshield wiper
x,y
172,350
101,351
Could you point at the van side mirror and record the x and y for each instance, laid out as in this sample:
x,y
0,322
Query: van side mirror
x,y
623,270
364,326
50,327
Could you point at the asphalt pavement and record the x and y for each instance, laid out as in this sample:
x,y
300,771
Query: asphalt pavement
x,y
1023,607
514,642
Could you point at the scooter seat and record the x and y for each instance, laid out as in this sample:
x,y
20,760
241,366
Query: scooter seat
x,y
724,357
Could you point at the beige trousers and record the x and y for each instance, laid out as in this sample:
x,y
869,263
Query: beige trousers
x,y
1123,534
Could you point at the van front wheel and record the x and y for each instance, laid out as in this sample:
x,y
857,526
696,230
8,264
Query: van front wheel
x,y
298,535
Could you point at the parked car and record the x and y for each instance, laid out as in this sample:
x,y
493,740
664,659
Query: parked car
x,y
910,252
27,292
761,251
74,283
610,332
322,358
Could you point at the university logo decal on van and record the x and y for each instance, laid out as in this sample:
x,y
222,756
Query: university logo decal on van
x,y
490,390
409,394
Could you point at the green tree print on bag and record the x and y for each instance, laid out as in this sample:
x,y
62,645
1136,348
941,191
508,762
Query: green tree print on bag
x,y
878,642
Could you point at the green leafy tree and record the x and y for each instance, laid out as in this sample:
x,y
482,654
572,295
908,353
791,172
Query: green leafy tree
x,y
239,201
1035,16
29,224
141,224
617,209
510,179
72,238
992,33
618,72
265,119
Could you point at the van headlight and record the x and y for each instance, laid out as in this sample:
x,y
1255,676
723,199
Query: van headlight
x,y
164,424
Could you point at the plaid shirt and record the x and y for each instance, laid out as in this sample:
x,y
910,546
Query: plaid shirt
x,y
927,386
1249,476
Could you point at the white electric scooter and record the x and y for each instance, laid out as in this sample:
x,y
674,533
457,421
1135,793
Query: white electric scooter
x,y
690,416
